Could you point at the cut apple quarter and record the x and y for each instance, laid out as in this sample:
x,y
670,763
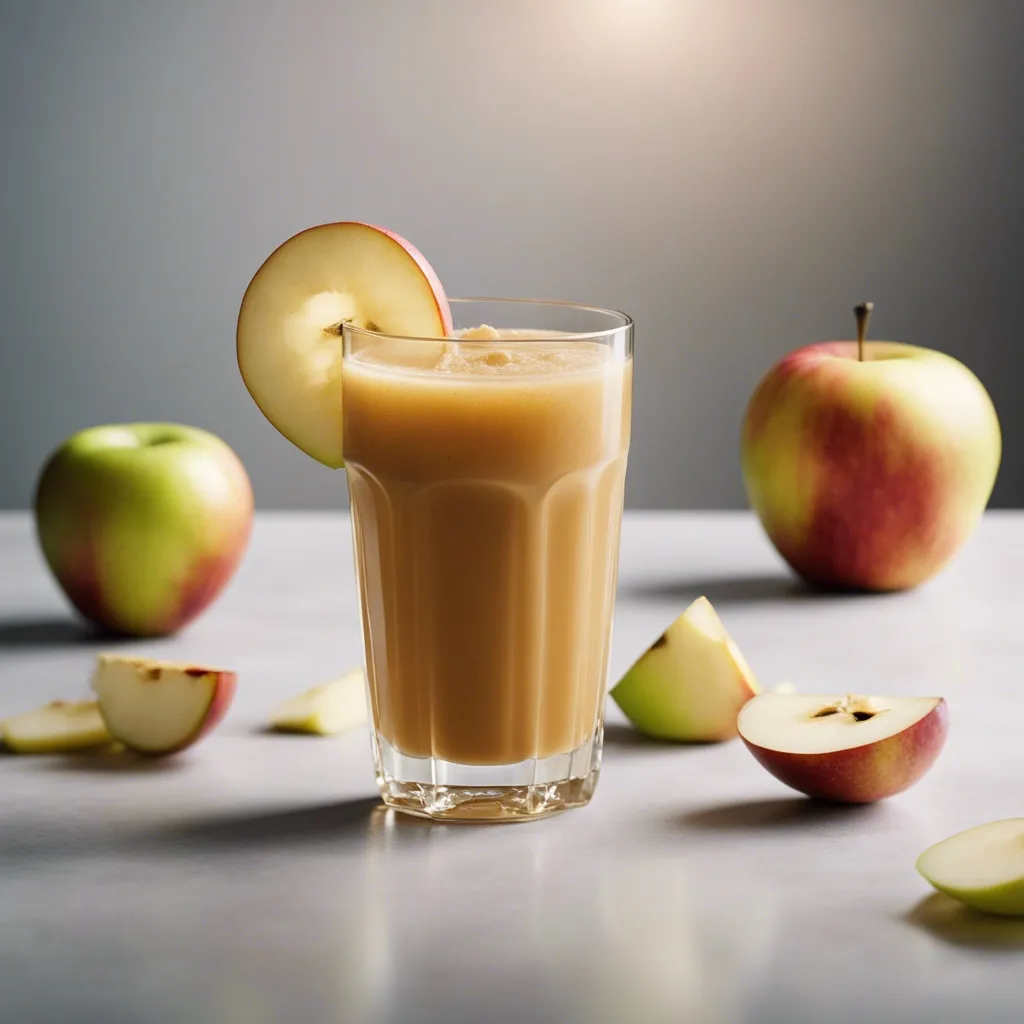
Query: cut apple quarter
x,y
159,707
289,326
846,748
326,709
982,867
690,683
59,726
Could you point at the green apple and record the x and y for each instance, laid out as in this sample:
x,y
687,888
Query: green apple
x,y
869,464
143,524
60,726
982,867
691,683
326,709
845,747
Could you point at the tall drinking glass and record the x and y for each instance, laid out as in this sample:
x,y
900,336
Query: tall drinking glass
x,y
486,477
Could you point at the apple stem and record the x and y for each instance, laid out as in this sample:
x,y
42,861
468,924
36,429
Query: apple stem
x,y
863,314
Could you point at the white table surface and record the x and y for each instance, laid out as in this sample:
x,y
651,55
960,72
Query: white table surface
x,y
254,878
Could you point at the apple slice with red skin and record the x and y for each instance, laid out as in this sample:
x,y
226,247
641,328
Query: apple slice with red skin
x,y
290,323
845,748
160,707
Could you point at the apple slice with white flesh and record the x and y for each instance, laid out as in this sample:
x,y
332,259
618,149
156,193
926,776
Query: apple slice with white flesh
x,y
160,707
845,748
289,326
982,867
327,709
691,682
59,726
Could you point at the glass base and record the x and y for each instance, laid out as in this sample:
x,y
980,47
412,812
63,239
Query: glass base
x,y
447,791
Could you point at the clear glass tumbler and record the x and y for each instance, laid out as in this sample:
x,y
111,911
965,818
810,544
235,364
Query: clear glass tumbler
x,y
486,476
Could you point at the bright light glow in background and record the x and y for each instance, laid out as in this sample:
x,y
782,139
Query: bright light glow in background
x,y
735,173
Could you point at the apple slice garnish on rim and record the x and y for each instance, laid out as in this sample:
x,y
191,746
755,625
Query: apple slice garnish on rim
x,y
289,325
845,748
59,726
159,707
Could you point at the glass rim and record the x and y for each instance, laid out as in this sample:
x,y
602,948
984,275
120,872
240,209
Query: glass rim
x,y
625,322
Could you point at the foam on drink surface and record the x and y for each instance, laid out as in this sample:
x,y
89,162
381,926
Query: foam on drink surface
x,y
478,352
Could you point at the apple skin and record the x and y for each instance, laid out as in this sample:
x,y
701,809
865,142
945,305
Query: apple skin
x,y
869,475
223,695
143,524
864,774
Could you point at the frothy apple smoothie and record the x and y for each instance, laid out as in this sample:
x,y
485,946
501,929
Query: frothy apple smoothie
x,y
486,477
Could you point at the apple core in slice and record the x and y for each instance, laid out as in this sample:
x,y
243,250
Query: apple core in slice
x,y
289,325
982,867
159,707
846,748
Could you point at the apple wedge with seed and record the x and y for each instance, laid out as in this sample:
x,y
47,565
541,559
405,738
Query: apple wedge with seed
x,y
846,748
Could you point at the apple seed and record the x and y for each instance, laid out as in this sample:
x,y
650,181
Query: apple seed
x,y
860,709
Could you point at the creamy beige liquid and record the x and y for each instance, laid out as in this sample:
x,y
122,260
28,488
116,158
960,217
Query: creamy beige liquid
x,y
486,486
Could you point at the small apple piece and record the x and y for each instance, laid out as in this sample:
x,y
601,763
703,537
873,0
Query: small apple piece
x,y
326,709
160,707
847,748
982,867
690,683
290,323
57,727
143,524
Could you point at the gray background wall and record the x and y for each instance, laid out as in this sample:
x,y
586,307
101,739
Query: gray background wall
x,y
735,174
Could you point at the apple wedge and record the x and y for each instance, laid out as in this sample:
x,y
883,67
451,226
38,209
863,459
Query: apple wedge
x,y
327,709
289,325
690,683
982,867
160,707
845,748
59,726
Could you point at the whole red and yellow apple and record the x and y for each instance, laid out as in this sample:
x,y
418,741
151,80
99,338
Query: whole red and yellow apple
x,y
869,465
143,524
